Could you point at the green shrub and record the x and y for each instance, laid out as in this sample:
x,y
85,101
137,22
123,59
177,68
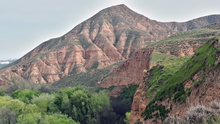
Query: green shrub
x,y
127,115
95,65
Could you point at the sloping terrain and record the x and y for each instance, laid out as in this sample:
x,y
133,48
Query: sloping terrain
x,y
165,93
110,36
185,42
91,80
179,44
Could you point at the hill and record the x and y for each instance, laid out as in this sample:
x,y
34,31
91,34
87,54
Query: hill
x,y
110,36
171,51
6,62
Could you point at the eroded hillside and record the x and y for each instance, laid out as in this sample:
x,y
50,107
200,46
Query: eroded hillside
x,y
180,44
110,36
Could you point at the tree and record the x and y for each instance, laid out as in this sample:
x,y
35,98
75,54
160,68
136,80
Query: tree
x,y
108,116
45,102
80,104
25,95
7,116
13,104
17,106
66,105
1,92
62,119
127,115
32,118
38,118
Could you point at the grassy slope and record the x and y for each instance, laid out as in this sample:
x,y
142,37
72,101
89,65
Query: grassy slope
x,y
192,37
170,63
170,82
88,80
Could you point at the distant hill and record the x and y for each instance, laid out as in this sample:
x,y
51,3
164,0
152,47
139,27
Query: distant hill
x,y
6,62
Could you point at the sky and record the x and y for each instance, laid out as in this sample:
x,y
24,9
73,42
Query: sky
x,y
25,24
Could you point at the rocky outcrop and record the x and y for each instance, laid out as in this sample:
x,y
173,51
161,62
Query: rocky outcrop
x,y
108,37
182,52
139,104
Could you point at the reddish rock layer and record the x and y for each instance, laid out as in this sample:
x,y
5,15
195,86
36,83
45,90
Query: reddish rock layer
x,y
131,72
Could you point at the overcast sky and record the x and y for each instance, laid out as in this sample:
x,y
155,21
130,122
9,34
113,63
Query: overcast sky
x,y
24,24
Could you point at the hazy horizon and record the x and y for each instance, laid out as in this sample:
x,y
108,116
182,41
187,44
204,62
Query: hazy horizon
x,y
26,24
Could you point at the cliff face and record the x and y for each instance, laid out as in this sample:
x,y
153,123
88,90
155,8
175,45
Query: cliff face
x,y
139,104
131,72
202,87
108,37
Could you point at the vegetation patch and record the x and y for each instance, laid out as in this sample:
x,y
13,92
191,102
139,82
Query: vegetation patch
x,y
181,94
168,65
129,92
95,65
158,111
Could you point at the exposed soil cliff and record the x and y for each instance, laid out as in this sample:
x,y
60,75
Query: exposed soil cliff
x,y
131,72
139,104
108,37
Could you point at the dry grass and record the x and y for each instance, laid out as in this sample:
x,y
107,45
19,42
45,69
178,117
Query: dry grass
x,y
199,114
215,106
172,120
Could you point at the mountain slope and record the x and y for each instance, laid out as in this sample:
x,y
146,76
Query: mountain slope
x,y
110,36
180,44
185,42
195,82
